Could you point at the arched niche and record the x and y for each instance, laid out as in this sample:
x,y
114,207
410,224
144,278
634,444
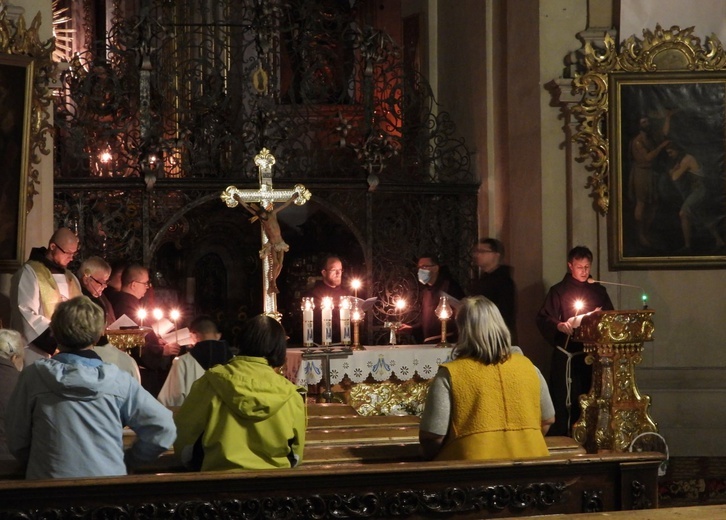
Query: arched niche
x,y
207,259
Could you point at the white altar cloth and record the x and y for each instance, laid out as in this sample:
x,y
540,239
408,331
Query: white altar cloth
x,y
381,362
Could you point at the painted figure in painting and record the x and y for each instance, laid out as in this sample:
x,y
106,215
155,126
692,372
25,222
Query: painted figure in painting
x,y
644,149
690,179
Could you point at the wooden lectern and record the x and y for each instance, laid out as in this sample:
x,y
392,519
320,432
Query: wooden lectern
x,y
613,413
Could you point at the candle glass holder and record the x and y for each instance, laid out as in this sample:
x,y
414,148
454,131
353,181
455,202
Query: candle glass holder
x,y
443,312
356,317
307,307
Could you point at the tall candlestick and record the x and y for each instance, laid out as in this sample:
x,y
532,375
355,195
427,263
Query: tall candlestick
x,y
307,307
327,312
345,320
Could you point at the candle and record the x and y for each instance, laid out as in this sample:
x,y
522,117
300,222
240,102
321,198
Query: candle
x,y
400,306
345,320
578,306
175,317
307,307
141,314
355,284
327,312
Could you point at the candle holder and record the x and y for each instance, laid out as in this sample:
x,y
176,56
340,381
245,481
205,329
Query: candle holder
x,y
443,312
308,306
394,326
344,307
327,321
356,317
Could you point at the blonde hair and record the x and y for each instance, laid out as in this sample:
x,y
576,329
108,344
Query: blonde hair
x,y
11,343
482,333
77,323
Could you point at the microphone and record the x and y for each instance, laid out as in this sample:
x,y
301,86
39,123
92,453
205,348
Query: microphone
x,y
642,291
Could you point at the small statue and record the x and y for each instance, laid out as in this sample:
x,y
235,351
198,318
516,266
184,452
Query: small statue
x,y
275,247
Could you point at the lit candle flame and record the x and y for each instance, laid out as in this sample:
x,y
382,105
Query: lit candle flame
x,y
141,314
174,314
158,314
578,306
327,303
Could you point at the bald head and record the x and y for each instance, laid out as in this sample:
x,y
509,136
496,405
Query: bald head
x,y
62,247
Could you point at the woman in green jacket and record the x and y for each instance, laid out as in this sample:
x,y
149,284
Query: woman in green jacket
x,y
244,415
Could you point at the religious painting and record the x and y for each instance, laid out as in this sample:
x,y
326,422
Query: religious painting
x,y
16,92
667,134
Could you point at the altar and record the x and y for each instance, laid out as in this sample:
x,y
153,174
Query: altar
x,y
380,380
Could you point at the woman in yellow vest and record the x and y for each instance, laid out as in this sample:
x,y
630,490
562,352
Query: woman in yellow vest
x,y
490,402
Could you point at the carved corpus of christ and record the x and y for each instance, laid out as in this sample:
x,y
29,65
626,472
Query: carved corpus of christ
x,y
261,204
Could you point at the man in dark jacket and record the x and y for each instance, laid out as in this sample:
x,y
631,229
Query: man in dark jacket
x,y
435,280
495,281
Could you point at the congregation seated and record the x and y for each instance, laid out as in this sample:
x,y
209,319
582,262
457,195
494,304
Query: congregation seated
x,y
243,414
66,416
209,350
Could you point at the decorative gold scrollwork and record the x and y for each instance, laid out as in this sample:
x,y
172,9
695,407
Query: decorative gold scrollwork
x,y
16,39
661,50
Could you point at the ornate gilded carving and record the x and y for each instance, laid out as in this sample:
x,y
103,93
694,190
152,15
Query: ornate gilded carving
x,y
535,497
661,50
16,38
389,398
614,412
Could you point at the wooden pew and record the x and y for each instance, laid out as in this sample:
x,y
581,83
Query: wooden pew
x,y
358,466
468,489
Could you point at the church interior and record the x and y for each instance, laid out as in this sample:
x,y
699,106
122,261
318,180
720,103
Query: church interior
x,y
418,126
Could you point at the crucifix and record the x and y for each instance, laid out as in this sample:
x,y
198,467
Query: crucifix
x,y
261,204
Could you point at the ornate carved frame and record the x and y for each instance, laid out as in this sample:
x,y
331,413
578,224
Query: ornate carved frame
x,y
662,56
20,47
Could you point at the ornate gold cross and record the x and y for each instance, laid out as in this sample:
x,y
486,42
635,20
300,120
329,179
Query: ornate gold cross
x,y
261,203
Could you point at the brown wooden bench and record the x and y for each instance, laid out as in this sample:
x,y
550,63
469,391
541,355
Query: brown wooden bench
x,y
560,484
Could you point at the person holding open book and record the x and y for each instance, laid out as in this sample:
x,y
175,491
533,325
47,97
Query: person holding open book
x,y
209,350
93,275
156,354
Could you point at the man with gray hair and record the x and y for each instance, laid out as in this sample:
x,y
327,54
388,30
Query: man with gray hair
x,y
67,414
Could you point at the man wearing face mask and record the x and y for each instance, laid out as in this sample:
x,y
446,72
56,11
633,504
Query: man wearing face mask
x,y
435,280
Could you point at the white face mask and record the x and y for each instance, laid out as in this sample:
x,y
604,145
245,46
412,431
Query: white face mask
x,y
424,275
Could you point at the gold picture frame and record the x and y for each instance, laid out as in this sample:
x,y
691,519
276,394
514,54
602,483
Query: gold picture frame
x,y
26,64
647,181
16,99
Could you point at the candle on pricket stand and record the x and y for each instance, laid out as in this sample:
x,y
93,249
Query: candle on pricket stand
x,y
327,314
345,320
307,307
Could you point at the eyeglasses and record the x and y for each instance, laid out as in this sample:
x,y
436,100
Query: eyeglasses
x,y
69,253
147,284
102,284
335,271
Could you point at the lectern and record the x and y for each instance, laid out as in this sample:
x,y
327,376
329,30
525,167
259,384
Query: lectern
x,y
613,412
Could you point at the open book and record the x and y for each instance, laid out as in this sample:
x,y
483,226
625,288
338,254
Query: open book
x,y
163,328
